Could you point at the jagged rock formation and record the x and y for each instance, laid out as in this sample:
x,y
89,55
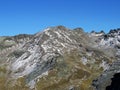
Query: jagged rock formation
x,y
59,59
110,40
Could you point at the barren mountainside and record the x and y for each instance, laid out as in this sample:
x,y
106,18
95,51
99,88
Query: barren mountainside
x,y
59,59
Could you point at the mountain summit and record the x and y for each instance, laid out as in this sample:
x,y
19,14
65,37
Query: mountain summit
x,y
59,59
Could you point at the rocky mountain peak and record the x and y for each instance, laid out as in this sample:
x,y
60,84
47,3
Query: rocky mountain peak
x,y
57,58
112,31
60,27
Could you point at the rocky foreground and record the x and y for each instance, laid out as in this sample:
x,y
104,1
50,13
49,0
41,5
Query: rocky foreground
x,y
59,59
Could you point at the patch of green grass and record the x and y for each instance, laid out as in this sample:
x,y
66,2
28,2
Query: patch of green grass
x,y
19,85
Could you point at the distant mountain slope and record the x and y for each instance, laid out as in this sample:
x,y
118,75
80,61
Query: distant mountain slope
x,y
59,59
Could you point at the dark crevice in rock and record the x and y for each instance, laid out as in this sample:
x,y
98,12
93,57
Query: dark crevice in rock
x,y
104,80
115,85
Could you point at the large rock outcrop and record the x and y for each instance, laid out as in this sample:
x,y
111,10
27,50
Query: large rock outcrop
x,y
59,59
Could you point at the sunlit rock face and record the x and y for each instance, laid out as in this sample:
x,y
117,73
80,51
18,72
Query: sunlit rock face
x,y
59,59
111,41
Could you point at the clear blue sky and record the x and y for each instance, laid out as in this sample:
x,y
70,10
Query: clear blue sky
x,y
31,16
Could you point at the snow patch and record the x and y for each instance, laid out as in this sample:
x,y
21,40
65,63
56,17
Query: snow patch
x,y
84,60
104,65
